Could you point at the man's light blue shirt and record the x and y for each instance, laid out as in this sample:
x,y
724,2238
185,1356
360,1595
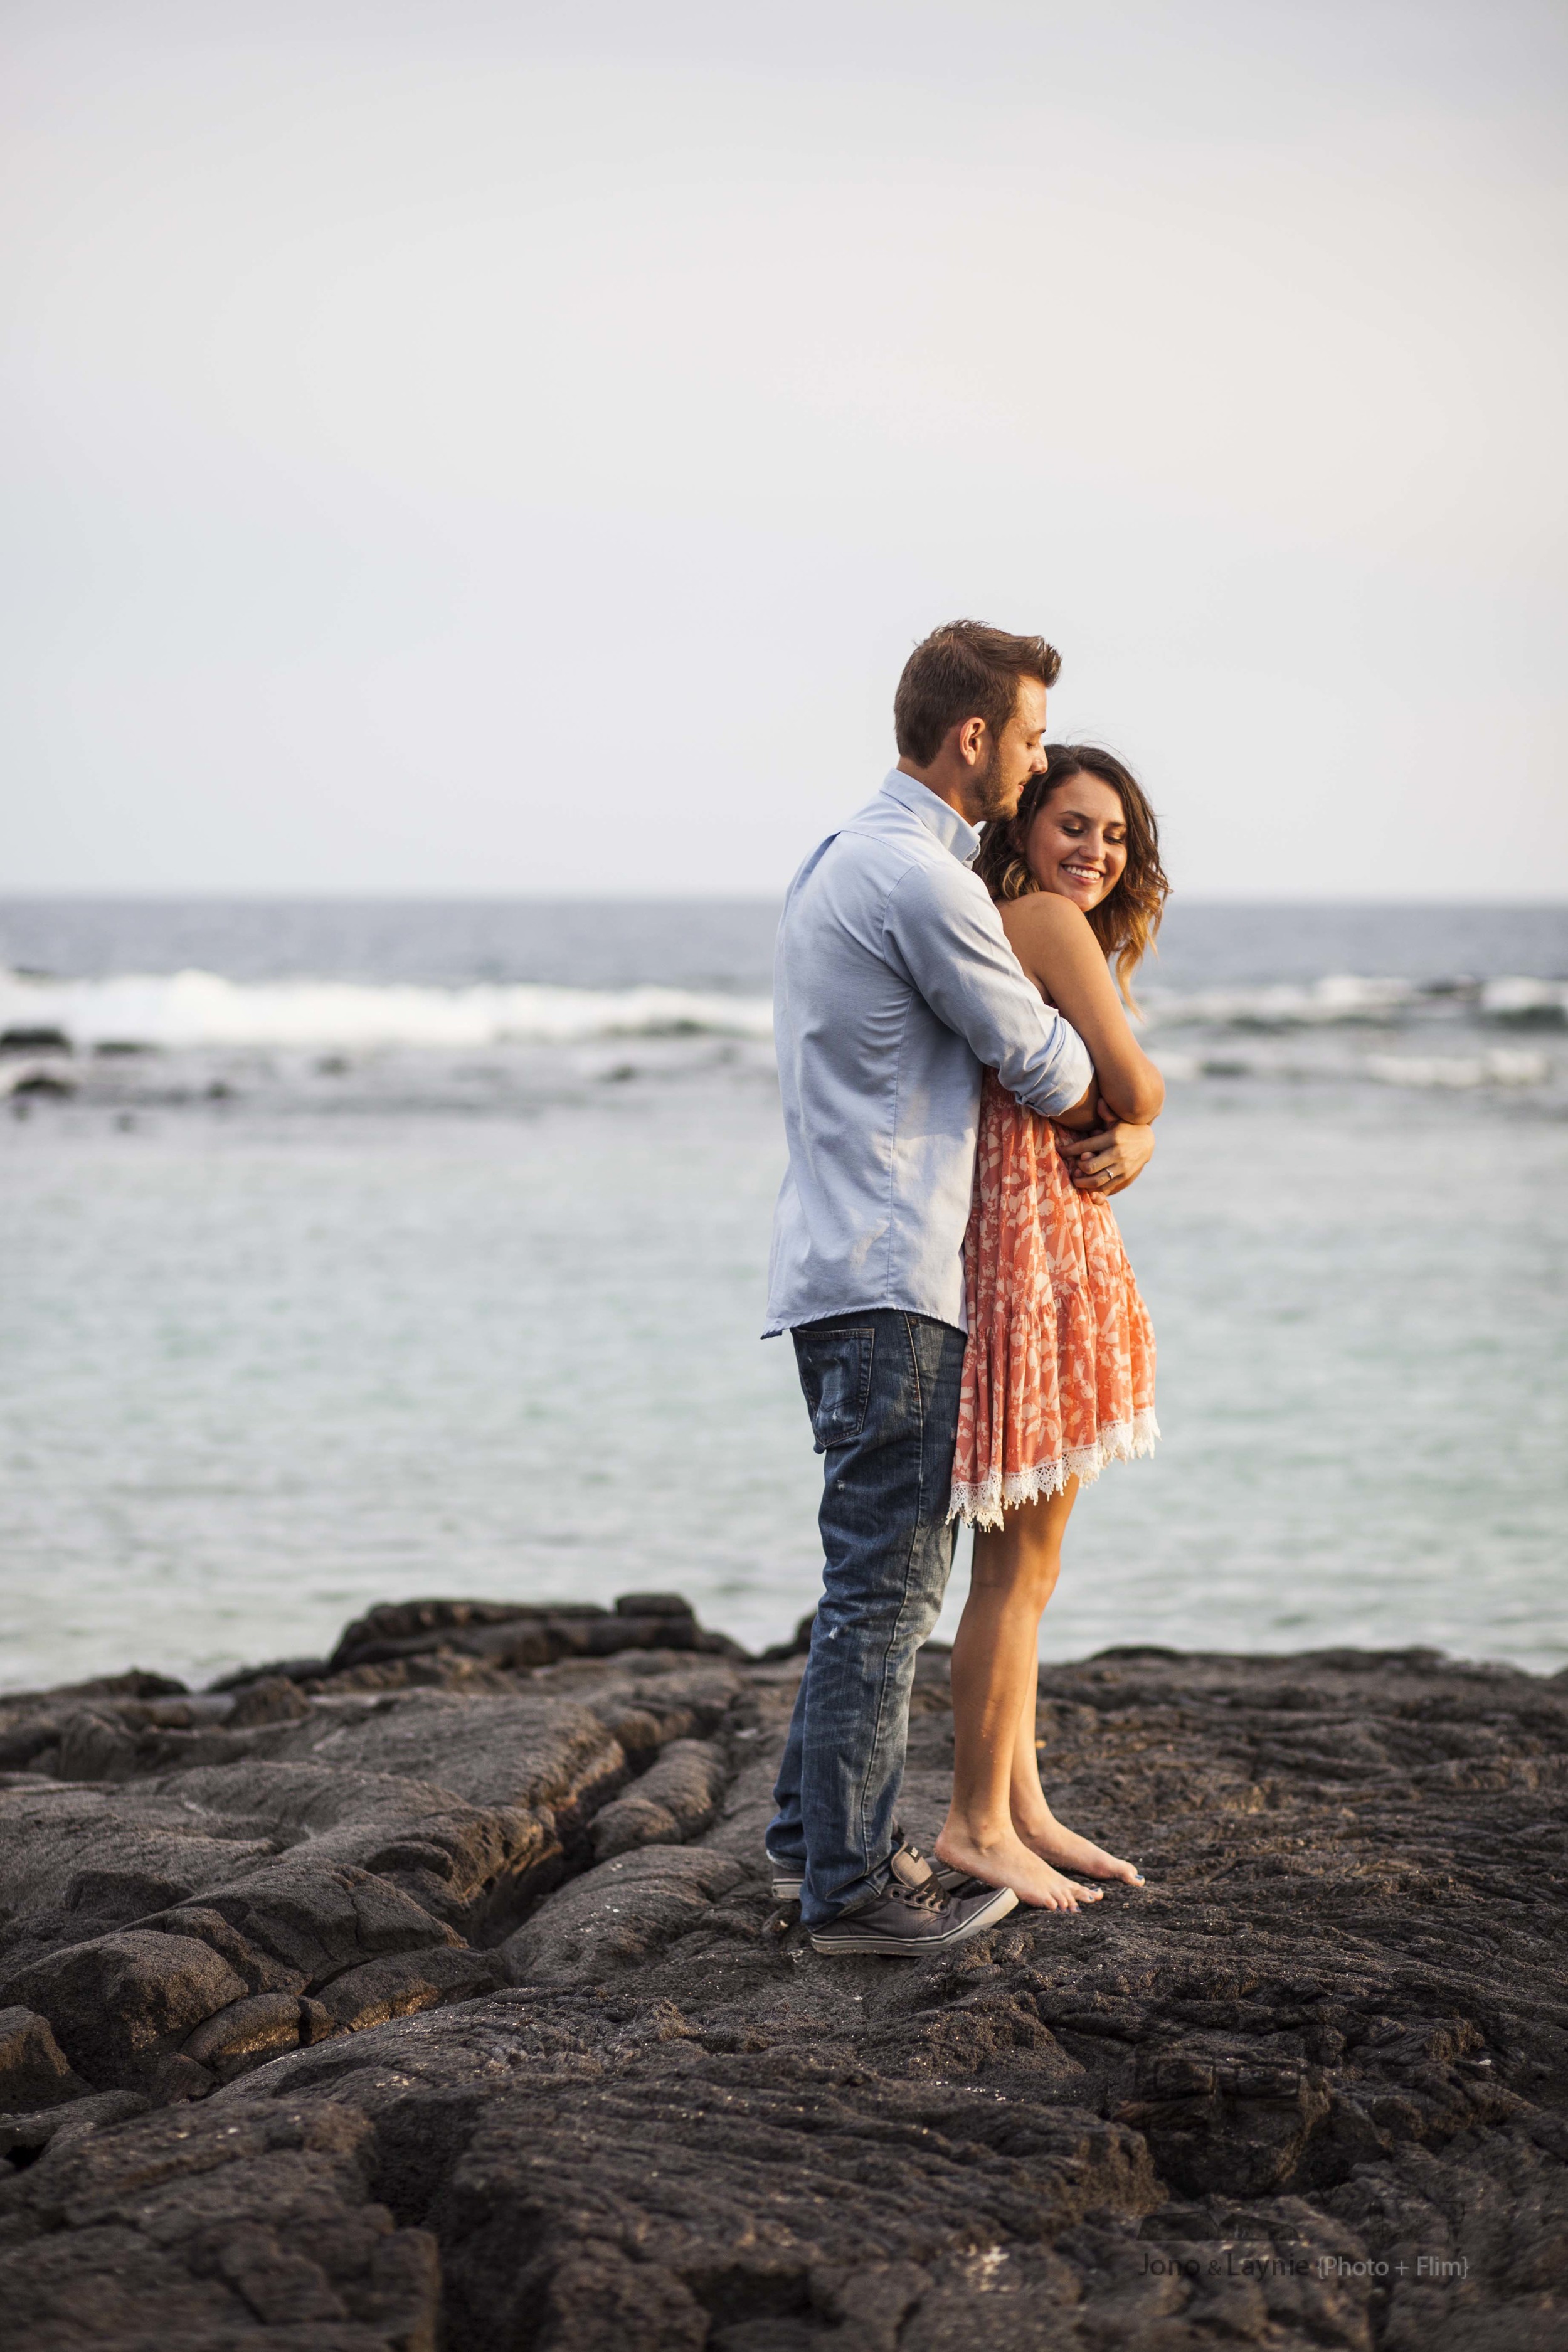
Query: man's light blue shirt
x,y
894,987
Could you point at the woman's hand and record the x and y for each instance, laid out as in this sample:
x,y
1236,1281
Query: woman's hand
x,y
1111,1159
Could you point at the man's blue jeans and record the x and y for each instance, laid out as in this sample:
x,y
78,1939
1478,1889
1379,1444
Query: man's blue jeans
x,y
882,1390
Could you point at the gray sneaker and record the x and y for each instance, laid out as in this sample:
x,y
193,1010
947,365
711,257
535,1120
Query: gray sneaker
x,y
942,1873
909,1921
951,1880
788,1878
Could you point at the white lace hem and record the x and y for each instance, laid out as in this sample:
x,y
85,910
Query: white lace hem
x,y
982,1506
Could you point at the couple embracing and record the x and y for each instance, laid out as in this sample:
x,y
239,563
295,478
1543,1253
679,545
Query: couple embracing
x,y
963,1094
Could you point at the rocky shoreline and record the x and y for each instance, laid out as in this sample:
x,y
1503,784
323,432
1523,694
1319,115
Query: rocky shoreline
x,y
432,1995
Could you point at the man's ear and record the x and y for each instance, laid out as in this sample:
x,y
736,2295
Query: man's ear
x,y
972,742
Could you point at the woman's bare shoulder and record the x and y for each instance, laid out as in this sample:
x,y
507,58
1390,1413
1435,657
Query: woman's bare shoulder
x,y
1043,916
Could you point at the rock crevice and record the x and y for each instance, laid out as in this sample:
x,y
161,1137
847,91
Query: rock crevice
x,y
434,1995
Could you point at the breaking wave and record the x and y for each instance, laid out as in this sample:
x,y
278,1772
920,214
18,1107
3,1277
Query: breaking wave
x,y
1500,1066
1344,998
201,1008
197,1009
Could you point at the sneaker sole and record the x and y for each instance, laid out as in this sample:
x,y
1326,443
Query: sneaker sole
x,y
903,1947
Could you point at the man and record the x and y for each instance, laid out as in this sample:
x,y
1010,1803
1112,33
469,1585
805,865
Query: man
x,y
895,988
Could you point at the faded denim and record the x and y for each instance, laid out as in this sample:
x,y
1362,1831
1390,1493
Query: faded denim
x,y
882,1390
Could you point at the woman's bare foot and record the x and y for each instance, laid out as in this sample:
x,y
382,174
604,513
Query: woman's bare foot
x,y
1006,1861
1067,1851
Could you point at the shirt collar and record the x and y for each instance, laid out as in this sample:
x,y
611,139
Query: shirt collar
x,y
953,831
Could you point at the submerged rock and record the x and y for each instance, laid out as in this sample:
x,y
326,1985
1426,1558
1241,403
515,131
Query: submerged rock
x,y
22,1039
450,2006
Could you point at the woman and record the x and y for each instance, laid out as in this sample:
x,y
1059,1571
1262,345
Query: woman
x,y
1058,1376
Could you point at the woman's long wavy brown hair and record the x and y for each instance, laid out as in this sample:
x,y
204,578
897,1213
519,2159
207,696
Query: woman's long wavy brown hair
x,y
1126,919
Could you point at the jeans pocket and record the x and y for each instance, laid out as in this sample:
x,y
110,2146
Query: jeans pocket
x,y
836,1379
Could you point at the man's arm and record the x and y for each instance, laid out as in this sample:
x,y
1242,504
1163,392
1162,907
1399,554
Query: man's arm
x,y
944,930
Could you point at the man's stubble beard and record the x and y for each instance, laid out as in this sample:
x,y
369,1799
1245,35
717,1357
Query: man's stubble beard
x,y
998,801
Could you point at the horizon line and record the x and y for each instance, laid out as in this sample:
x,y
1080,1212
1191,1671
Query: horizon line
x,y
218,895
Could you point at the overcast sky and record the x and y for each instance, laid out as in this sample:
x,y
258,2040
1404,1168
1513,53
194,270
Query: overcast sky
x,y
513,448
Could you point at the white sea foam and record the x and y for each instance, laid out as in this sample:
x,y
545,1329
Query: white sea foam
x,y
1346,999
1338,997
1527,1000
1498,1068
197,1009
201,1008
1501,1067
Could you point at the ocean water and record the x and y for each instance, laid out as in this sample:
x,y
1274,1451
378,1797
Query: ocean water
x,y
350,1251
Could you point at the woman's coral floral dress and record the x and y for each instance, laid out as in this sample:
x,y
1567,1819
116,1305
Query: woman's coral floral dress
x,y
1058,1375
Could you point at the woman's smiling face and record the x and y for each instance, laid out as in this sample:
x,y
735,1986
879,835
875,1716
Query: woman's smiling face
x,y
1076,843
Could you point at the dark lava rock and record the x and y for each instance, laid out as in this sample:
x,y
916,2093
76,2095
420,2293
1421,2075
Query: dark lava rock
x,y
626,1911
399,1985
33,2071
503,2041
675,1798
510,1635
259,2026
123,2003
24,2137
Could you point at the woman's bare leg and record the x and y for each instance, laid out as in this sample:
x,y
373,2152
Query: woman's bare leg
x,y
1038,1826
994,1661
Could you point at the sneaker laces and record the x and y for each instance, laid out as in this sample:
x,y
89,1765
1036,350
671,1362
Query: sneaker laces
x,y
927,1896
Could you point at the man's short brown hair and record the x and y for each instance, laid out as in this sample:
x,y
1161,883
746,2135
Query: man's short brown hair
x,y
964,670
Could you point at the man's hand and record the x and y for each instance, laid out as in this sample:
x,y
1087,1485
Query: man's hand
x,y
1111,1159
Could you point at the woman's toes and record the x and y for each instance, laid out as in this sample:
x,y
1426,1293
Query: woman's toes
x,y
1065,1850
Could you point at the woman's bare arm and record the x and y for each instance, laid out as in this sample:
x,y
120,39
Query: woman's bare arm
x,y
1052,941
